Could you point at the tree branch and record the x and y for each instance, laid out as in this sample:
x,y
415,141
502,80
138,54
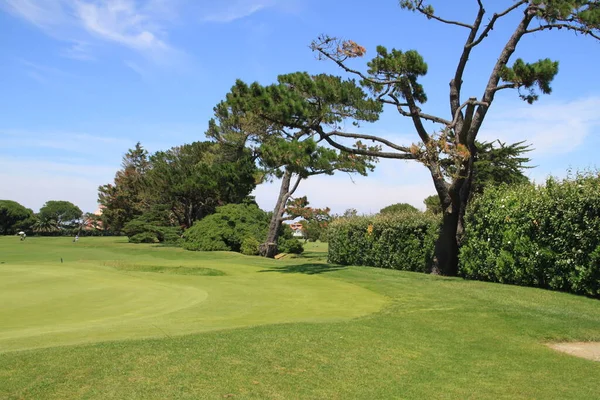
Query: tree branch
x,y
405,113
420,9
414,114
370,137
492,85
341,64
506,86
293,189
362,152
457,115
495,17
585,31
456,82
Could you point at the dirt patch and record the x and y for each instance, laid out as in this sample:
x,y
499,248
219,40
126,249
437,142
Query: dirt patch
x,y
589,350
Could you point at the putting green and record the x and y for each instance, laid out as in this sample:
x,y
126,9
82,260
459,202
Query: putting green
x,y
108,290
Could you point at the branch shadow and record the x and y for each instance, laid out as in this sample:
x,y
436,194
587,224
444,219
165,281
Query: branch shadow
x,y
308,269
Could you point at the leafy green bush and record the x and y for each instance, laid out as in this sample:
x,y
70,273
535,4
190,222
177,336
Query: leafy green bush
x,y
398,208
291,246
547,237
144,237
403,241
250,246
142,228
226,229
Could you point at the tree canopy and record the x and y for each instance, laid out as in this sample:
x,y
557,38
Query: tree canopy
x,y
176,187
195,178
398,208
281,124
12,214
123,200
59,216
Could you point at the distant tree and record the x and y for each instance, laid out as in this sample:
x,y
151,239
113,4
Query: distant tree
x,y
432,204
65,215
123,200
350,213
12,215
315,221
279,120
394,78
45,224
498,164
194,179
92,224
154,225
397,208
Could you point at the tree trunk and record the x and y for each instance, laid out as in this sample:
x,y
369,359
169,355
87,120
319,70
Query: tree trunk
x,y
445,259
269,248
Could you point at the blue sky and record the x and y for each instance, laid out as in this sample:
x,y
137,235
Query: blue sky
x,y
84,80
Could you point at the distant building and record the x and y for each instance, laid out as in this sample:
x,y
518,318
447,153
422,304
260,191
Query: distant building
x,y
297,228
94,223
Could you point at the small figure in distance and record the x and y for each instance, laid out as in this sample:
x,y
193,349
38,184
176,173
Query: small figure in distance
x,y
76,239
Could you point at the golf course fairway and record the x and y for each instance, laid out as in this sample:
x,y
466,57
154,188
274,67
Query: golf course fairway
x,y
55,292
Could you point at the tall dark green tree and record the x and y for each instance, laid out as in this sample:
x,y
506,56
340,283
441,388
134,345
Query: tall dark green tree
x,y
393,77
497,163
12,216
123,200
281,124
193,179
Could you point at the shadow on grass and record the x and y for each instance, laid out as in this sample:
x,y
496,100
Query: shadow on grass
x,y
309,269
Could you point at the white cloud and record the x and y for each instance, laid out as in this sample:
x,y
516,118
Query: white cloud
x,y
551,128
229,11
135,25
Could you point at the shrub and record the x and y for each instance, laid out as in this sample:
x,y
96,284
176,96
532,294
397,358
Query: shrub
x,y
398,208
144,237
250,246
227,228
291,246
140,227
547,237
403,241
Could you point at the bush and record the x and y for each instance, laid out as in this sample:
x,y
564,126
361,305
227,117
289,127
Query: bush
x,y
227,228
398,208
250,246
291,246
547,237
403,241
144,237
140,227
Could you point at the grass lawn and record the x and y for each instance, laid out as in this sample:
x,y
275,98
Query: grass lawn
x,y
121,321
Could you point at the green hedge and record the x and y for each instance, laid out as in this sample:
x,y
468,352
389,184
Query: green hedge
x,y
547,237
403,241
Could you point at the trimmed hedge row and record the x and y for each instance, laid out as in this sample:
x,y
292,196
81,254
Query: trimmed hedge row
x,y
547,237
403,241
